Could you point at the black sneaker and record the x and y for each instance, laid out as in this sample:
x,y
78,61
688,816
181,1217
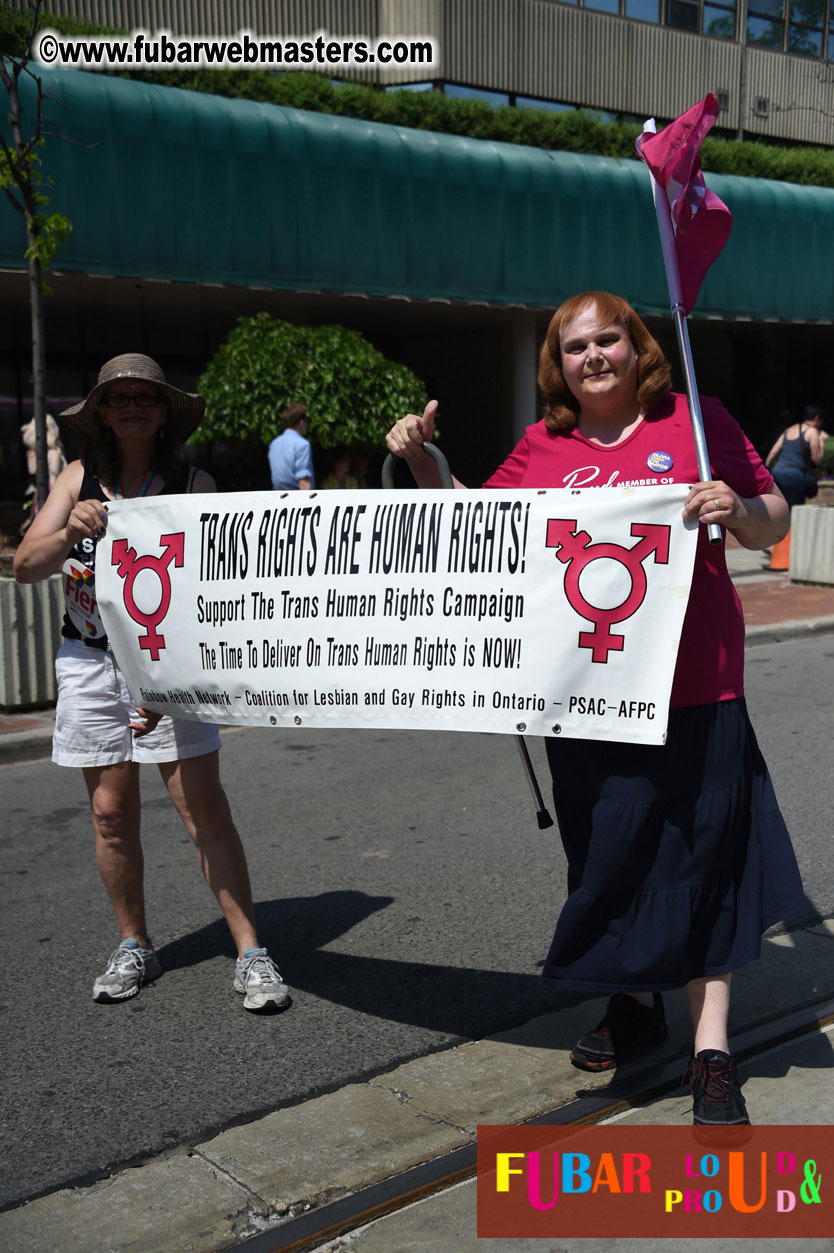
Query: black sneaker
x,y
716,1094
627,1026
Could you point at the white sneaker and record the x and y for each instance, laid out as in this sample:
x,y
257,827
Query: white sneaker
x,y
128,969
258,980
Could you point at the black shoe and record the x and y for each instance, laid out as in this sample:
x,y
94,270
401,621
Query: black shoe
x,y
627,1026
716,1094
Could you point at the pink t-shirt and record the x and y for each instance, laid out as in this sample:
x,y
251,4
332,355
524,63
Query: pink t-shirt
x,y
710,663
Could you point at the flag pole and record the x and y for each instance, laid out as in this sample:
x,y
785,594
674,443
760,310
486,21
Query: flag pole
x,y
670,263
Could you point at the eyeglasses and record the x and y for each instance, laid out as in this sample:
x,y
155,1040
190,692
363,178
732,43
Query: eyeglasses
x,y
121,401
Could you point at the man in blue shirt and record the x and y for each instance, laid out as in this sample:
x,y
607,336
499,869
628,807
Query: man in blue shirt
x,y
290,455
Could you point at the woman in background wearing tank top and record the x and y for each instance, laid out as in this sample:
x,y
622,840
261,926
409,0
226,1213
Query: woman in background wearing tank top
x,y
795,452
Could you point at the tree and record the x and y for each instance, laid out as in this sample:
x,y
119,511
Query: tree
x,y
23,182
353,393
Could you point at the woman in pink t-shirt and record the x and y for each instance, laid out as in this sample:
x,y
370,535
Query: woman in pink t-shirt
x,y
678,857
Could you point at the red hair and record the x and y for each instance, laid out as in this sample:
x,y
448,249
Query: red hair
x,y
653,373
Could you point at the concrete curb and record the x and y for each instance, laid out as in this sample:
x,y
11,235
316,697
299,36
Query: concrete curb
x,y
779,632
23,746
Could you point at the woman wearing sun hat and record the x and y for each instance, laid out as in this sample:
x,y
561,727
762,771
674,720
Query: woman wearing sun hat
x,y
135,424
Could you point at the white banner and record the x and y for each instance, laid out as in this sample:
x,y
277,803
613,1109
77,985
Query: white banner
x,y
526,612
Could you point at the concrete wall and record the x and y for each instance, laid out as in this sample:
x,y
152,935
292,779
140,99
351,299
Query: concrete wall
x,y
30,635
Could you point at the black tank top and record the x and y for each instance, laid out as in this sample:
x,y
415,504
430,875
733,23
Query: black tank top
x,y
85,550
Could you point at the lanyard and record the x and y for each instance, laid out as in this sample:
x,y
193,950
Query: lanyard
x,y
117,495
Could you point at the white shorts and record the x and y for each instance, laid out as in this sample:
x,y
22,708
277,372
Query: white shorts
x,y
95,707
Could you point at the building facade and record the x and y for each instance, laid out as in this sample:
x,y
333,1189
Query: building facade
x,y
769,62
448,253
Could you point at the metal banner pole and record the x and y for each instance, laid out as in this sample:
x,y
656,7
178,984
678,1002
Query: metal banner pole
x,y
543,818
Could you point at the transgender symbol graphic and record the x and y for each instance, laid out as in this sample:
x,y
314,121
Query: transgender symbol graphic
x,y
575,549
173,549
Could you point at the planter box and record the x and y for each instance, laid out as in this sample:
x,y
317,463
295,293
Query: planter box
x,y
30,635
812,544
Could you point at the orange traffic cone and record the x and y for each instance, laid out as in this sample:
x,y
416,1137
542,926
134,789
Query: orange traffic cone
x,y
780,554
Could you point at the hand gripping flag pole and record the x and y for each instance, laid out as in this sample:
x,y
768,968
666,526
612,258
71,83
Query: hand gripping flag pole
x,y
694,225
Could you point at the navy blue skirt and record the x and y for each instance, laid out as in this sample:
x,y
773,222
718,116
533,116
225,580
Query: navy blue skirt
x,y
678,856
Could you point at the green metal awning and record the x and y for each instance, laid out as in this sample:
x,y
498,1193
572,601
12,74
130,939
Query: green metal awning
x,y
168,184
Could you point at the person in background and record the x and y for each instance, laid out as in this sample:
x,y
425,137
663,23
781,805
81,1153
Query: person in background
x,y
784,419
678,857
359,467
290,454
339,478
816,411
135,424
55,462
795,454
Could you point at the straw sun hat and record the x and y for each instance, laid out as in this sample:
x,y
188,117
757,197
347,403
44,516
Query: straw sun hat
x,y
185,409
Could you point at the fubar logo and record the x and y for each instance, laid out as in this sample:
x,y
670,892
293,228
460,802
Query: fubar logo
x,y
576,550
130,566
559,1182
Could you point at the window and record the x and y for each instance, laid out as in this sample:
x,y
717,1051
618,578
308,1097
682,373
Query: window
x,y
410,87
476,93
766,23
808,43
806,27
719,21
803,27
529,102
643,10
797,26
709,17
684,14
763,32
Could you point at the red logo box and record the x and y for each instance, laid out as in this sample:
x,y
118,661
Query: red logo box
x,y
680,1182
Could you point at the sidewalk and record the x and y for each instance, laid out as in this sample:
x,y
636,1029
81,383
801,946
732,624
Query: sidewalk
x,y
26,737
774,609
448,1220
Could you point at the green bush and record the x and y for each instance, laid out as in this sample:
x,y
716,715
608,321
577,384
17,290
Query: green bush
x,y
352,392
827,463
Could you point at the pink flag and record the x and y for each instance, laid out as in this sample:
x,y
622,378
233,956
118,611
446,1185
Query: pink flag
x,y
701,221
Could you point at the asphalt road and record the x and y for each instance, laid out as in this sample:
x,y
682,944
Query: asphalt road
x,y
400,880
